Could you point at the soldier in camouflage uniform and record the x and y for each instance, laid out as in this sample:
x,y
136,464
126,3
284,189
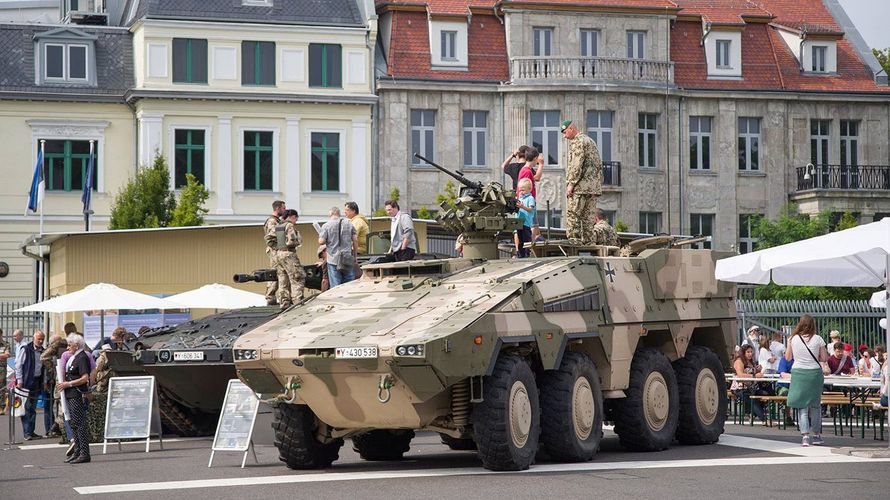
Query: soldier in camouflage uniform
x,y
50,359
603,233
584,183
291,277
278,208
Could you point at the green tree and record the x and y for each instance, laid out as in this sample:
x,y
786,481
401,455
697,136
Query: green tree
x,y
424,213
791,226
847,221
621,226
449,195
146,200
394,196
190,209
883,57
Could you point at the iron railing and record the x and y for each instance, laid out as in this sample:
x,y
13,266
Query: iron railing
x,y
10,320
856,321
548,69
872,177
611,173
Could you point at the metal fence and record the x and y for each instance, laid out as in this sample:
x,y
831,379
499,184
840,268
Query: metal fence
x,y
856,321
11,320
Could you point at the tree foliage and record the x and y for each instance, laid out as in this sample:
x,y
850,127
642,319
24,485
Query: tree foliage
x,y
449,194
146,200
791,226
621,226
190,209
394,196
883,57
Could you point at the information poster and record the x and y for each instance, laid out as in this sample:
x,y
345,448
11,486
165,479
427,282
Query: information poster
x,y
129,409
235,427
131,320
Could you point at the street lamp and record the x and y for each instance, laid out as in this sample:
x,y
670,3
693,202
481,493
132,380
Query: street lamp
x,y
810,170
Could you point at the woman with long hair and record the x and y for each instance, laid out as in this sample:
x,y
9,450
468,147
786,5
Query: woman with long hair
x,y
745,367
808,350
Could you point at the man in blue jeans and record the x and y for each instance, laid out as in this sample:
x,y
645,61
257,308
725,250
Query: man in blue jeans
x,y
339,236
29,375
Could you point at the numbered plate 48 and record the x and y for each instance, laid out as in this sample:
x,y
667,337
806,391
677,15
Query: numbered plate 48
x,y
188,356
363,352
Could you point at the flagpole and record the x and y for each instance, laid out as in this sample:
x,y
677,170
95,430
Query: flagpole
x,y
41,266
88,180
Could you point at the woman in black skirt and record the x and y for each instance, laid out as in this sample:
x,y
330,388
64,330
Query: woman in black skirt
x,y
77,380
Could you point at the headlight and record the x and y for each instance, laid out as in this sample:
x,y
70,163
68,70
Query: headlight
x,y
245,354
415,350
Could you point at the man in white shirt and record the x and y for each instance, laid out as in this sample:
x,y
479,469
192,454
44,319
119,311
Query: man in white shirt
x,y
753,338
834,338
777,346
404,242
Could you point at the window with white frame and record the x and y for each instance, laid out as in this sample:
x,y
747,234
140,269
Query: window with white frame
x,y
650,222
723,52
701,225
700,142
589,42
599,128
749,144
475,128
542,39
636,44
545,134
65,62
818,57
819,141
449,45
747,241
850,143
646,140
423,135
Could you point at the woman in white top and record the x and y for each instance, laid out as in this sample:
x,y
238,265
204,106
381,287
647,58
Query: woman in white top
x,y
868,365
768,361
807,349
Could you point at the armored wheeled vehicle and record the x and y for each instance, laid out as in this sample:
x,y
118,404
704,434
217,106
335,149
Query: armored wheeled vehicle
x,y
516,358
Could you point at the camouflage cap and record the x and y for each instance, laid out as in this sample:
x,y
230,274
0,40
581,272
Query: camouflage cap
x,y
565,125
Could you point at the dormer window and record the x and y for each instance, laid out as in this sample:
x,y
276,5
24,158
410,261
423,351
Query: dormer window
x,y
449,44
66,62
723,59
65,56
723,50
818,59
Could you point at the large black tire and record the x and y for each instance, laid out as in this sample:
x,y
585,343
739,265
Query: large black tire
x,y
702,396
571,409
383,444
458,444
646,420
507,423
298,448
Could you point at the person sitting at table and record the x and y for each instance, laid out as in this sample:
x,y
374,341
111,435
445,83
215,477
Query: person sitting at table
x,y
765,357
841,363
783,384
833,338
868,365
880,354
744,367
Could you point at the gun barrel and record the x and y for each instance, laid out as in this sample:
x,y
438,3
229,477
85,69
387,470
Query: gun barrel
x,y
460,178
259,275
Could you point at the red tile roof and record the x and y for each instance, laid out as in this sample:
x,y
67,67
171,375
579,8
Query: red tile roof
x,y
795,13
409,53
723,11
645,4
442,7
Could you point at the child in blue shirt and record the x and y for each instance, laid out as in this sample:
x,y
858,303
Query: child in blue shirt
x,y
526,204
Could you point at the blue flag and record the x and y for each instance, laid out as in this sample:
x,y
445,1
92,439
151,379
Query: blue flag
x,y
88,185
35,196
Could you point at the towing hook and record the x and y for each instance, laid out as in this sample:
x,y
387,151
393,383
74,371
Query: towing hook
x,y
383,388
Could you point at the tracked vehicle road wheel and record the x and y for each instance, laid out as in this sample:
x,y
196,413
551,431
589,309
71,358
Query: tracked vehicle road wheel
x,y
297,438
571,409
383,444
702,396
646,420
507,423
458,444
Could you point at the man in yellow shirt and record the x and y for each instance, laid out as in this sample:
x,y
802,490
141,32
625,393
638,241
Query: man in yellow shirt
x,y
361,226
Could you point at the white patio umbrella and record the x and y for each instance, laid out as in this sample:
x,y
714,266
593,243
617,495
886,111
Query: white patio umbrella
x,y
97,297
215,296
859,256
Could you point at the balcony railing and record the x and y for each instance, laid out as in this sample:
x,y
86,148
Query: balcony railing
x,y
581,69
611,173
869,177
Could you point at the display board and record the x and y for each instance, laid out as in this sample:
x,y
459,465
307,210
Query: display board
x,y
131,411
236,421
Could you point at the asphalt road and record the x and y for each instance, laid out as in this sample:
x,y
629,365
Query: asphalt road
x,y
748,462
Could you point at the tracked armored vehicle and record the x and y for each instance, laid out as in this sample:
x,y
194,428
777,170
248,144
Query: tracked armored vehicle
x,y
516,358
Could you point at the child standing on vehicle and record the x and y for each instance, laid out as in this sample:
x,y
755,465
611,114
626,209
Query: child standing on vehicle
x,y
526,204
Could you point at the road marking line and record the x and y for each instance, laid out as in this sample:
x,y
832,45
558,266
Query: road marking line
x,y
110,443
774,446
407,474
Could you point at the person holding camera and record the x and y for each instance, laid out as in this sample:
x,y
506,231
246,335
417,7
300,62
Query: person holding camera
x,y
514,163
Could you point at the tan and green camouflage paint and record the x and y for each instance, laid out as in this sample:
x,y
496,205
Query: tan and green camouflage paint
x,y
664,298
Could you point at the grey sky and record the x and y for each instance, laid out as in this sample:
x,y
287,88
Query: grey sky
x,y
870,18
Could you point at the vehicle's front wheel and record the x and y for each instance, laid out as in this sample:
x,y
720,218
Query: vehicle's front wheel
x,y
507,423
297,433
571,409
646,419
383,444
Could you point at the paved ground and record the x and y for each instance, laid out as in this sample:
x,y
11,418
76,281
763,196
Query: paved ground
x,y
749,461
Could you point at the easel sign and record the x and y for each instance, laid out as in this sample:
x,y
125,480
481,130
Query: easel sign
x,y
132,411
235,426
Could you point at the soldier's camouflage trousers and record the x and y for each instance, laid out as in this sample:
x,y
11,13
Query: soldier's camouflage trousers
x,y
579,217
290,288
271,286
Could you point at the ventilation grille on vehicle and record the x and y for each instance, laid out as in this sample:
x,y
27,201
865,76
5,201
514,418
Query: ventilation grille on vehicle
x,y
584,301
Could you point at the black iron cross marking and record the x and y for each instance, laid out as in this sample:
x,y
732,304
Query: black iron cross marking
x,y
610,272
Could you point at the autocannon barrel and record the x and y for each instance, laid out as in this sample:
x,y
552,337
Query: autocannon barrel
x,y
460,178
260,275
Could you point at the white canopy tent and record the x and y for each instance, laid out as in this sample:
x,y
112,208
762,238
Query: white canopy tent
x,y
215,296
858,256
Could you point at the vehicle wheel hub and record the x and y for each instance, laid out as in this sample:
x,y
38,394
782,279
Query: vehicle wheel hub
x,y
706,398
582,408
655,401
520,414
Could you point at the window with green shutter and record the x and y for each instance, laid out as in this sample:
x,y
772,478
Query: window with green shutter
x,y
189,154
325,65
258,151
189,60
258,63
325,161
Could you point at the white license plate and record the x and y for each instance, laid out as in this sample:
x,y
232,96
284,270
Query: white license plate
x,y
188,356
355,352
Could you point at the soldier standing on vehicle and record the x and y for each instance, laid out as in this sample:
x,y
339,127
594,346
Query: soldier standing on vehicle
x,y
603,232
288,258
278,208
584,183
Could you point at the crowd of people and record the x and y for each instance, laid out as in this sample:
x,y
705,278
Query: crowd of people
x,y
801,362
